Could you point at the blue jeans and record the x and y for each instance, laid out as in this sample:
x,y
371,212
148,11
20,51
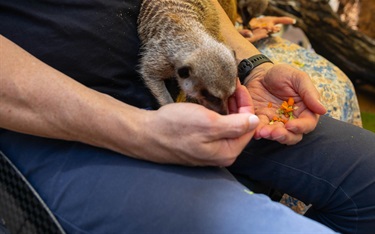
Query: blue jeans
x,y
92,190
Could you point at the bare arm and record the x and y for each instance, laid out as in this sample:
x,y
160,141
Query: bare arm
x,y
243,48
39,100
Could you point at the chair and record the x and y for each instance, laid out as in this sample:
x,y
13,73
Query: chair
x,y
22,211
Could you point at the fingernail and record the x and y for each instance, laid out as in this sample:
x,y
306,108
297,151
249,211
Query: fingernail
x,y
254,121
294,21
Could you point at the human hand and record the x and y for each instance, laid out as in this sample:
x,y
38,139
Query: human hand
x,y
254,35
264,26
270,23
182,133
190,134
275,84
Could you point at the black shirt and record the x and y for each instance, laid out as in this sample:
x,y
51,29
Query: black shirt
x,y
93,41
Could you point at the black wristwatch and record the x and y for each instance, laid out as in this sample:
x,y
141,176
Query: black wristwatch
x,y
247,65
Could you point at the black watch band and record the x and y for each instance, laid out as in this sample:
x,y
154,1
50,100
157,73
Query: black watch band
x,y
247,65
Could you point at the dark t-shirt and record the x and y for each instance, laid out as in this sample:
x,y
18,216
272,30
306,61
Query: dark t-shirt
x,y
93,41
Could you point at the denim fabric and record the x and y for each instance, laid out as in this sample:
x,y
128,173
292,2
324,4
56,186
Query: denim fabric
x,y
92,190
333,169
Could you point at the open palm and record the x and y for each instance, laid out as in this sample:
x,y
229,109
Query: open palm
x,y
276,84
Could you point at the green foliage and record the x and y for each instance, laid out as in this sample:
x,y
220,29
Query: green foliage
x,y
368,121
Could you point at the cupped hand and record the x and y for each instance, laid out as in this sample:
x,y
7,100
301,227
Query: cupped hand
x,y
274,84
190,134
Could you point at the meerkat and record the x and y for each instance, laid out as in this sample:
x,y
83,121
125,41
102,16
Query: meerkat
x,y
249,9
181,40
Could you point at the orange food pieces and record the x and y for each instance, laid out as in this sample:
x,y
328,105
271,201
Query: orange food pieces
x,y
290,101
285,111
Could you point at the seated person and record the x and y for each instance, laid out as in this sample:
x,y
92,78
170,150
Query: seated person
x,y
336,90
78,122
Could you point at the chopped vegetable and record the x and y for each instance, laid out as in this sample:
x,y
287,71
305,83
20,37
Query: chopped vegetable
x,y
285,112
298,63
290,101
248,191
181,97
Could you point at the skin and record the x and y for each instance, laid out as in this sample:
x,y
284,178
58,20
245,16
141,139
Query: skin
x,y
39,100
276,83
263,27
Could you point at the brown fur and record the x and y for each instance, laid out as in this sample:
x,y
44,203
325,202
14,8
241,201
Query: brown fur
x,y
181,39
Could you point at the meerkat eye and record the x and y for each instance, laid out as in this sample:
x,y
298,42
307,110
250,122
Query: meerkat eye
x,y
210,98
183,72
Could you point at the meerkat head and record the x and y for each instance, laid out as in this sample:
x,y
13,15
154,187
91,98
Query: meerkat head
x,y
208,75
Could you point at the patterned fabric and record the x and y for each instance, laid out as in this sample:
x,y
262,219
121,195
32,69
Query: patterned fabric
x,y
336,90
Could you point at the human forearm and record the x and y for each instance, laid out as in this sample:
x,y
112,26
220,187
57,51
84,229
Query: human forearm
x,y
269,83
233,38
243,48
37,99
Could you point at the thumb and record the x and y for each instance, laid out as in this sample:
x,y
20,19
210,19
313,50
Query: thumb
x,y
316,106
236,125
311,96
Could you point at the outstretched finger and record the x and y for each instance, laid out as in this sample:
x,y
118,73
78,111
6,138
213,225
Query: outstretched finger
x,y
284,20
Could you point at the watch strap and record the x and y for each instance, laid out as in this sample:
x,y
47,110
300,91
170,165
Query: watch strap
x,y
247,65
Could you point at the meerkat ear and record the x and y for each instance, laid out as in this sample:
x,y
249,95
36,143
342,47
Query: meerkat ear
x,y
184,72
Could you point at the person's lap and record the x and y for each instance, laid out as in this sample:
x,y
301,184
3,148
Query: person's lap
x,y
332,169
97,191
94,189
